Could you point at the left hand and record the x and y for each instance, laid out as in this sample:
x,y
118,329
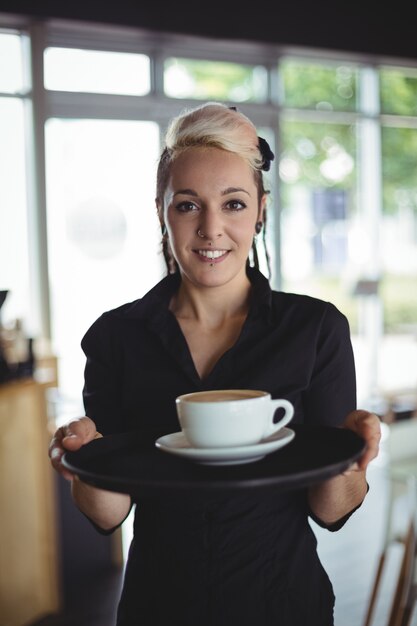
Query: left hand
x,y
368,426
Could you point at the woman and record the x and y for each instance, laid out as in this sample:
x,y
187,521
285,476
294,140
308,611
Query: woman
x,y
214,323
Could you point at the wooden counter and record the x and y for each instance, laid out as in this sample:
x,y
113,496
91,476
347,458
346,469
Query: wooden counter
x,y
29,578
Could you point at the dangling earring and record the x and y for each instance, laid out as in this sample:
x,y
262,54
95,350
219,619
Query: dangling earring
x,y
164,230
255,254
258,227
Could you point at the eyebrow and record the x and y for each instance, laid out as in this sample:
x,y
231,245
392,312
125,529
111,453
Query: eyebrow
x,y
225,192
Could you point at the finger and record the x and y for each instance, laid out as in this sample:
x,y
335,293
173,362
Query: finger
x,y
55,449
56,452
369,428
370,453
71,436
352,468
359,418
79,432
367,425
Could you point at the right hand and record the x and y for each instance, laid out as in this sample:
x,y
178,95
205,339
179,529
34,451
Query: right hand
x,y
70,437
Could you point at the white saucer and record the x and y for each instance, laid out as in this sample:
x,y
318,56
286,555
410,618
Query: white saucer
x,y
176,443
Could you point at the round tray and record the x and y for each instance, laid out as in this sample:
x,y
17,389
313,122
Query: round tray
x,y
130,463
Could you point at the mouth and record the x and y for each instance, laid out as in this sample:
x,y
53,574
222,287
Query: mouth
x,y
212,256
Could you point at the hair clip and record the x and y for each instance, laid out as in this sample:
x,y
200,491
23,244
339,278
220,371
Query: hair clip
x,y
267,154
233,108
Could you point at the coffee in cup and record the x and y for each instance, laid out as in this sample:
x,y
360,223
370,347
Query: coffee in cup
x,y
230,417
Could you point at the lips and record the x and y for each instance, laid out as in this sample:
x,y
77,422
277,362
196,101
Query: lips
x,y
213,256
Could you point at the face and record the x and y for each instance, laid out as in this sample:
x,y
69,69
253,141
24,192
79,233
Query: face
x,y
211,207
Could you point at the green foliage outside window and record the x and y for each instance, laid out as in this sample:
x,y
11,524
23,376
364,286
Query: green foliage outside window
x,y
318,86
317,155
399,168
214,80
398,91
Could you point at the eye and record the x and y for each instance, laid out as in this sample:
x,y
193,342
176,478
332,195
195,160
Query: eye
x,y
186,206
235,205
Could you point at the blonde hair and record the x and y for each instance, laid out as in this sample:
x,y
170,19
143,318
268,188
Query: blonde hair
x,y
210,125
214,125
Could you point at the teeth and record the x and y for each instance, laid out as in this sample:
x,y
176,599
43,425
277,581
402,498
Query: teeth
x,y
212,254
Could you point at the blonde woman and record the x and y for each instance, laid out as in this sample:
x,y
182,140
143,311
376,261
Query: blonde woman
x,y
215,323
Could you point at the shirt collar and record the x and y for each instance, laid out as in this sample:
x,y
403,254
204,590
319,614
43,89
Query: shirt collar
x,y
261,297
158,298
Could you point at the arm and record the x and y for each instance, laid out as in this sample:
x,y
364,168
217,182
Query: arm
x,y
331,399
106,509
335,498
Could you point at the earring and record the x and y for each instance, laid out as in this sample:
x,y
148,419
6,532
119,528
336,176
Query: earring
x,y
164,230
258,227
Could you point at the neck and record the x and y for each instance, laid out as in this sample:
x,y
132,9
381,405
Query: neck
x,y
211,306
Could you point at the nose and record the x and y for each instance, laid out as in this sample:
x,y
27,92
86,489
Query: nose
x,y
210,225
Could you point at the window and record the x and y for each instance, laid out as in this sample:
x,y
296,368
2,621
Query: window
x,y
68,69
317,170
11,63
398,93
14,255
103,231
323,86
398,246
214,80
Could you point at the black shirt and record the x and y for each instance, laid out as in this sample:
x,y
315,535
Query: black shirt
x,y
239,560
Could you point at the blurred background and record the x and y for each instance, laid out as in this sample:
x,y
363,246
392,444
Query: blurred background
x,y
86,93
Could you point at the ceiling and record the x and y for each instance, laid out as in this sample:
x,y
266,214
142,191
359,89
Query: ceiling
x,y
384,30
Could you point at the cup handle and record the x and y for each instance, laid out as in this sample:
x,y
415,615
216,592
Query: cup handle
x,y
289,412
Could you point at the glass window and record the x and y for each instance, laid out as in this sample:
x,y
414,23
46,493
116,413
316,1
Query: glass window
x,y
93,71
14,263
398,234
321,228
11,63
398,89
319,86
318,191
219,80
103,231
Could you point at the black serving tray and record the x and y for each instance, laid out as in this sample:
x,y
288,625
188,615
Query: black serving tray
x,y
130,463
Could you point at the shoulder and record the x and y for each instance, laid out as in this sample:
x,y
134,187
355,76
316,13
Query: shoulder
x,y
303,305
154,301
128,310
309,317
117,316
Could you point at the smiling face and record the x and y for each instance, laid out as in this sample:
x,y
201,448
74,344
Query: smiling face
x,y
211,206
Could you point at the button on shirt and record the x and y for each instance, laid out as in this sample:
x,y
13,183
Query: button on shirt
x,y
242,560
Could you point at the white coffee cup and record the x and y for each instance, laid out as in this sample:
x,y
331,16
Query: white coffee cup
x,y
230,417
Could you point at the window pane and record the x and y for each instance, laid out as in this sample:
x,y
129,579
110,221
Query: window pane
x,y
186,78
322,232
399,254
93,71
319,86
14,264
103,230
11,65
398,89
317,170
